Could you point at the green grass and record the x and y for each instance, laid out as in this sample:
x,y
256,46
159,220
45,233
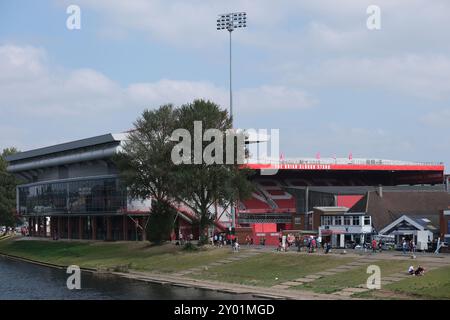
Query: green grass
x,y
355,277
434,284
135,255
268,269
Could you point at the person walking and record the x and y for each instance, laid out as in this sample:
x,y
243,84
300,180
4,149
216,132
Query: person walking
x,y
374,246
313,244
404,246
180,237
236,245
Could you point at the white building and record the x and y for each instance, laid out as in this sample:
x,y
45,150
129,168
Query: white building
x,y
342,228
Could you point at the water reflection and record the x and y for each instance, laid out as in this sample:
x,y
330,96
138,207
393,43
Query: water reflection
x,y
20,280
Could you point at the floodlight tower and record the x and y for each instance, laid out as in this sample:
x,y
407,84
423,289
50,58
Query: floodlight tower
x,y
231,21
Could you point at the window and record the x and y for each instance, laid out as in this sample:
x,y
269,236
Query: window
x,y
326,220
367,221
356,221
80,196
338,220
347,221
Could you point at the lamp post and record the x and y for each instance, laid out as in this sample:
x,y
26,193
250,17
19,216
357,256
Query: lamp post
x,y
231,21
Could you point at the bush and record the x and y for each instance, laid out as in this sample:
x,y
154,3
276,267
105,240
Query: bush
x,y
189,247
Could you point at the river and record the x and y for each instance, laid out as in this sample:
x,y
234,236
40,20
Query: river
x,y
25,281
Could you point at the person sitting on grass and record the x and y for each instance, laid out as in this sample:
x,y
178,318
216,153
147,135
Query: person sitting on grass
x,y
420,271
411,270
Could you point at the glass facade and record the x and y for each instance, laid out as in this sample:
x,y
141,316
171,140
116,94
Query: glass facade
x,y
89,196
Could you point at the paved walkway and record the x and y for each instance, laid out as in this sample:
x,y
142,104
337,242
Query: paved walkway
x,y
329,272
237,256
259,292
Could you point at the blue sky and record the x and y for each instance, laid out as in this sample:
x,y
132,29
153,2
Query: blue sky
x,y
309,68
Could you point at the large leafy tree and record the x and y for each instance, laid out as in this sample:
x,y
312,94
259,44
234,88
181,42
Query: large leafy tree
x,y
145,164
149,170
7,191
201,185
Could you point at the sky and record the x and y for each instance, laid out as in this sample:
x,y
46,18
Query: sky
x,y
311,69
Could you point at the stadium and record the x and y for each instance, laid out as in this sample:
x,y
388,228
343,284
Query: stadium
x,y
73,191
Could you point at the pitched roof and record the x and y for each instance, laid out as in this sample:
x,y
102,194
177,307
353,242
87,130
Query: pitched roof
x,y
106,138
392,205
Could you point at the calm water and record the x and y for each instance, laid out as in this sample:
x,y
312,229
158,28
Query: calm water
x,y
20,280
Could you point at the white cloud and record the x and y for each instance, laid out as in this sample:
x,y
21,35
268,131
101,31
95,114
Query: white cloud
x,y
191,23
30,87
20,63
324,41
267,99
424,76
341,140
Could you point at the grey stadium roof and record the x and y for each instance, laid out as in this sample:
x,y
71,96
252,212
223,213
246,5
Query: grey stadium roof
x,y
93,141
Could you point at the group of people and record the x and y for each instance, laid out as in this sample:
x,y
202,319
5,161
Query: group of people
x,y
183,238
310,243
221,239
420,271
376,245
408,246
285,242
248,240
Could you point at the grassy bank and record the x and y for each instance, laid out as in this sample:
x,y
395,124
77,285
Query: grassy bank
x,y
268,269
113,255
433,285
355,277
264,269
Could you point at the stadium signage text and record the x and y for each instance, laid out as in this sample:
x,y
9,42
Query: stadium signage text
x,y
304,166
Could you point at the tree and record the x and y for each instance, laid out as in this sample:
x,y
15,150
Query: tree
x,y
200,186
161,220
149,171
145,165
7,191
